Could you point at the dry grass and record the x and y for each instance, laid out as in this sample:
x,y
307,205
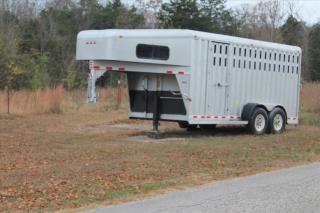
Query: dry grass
x,y
57,100
310,97
310,104
70,160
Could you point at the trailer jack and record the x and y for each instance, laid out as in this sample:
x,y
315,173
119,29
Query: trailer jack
x,y
92,78
155,133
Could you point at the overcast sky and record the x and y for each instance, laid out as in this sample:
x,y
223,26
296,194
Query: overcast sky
x,y
308,10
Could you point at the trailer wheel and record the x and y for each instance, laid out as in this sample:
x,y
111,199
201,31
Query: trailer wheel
x,y
258,123
192,128
183,124
208,126
277,121
186,125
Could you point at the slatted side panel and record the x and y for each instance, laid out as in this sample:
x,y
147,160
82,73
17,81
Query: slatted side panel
x,y
263,76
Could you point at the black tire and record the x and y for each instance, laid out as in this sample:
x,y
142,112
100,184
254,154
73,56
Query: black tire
x,y
258,123
186,125
183,124
192,128
277,121
208,126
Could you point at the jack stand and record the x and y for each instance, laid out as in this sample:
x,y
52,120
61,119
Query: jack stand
x,y
155,125
155,133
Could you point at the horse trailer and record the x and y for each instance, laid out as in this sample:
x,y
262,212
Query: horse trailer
x,y
197,78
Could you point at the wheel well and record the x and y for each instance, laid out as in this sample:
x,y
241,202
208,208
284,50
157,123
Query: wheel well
x,y
263,107
249,108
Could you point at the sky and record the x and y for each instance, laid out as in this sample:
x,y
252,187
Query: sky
x,y
308,10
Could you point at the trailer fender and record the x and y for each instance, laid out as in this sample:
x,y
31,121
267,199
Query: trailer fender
x,y
250,107
248,110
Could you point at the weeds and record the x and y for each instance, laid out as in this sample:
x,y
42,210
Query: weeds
x,y
308,118
58,100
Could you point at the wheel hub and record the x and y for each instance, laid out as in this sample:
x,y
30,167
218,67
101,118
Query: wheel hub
x,y
260,123
278,122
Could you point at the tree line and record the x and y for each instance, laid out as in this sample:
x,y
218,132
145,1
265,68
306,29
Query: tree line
x,y
37,39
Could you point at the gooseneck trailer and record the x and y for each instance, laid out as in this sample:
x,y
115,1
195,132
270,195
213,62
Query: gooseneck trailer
x,y
199,79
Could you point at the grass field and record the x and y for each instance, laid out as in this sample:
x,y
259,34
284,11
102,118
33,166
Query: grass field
x,y
96,156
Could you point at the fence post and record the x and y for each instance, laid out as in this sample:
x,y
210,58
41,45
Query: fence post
x,y
8,99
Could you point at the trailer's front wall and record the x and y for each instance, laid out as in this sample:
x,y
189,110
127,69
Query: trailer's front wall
x,y
117,45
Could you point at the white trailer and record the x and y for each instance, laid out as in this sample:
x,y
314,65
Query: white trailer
x,y
199,79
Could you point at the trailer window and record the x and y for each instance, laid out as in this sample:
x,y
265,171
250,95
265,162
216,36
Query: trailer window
x,y
152,52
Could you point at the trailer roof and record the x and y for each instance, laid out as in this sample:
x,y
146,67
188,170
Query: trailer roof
x,y
178,33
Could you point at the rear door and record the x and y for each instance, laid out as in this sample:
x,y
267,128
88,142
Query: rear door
x,y
217,79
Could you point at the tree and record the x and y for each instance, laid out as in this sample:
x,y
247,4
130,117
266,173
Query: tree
x,y
221,20
182,14
149,8
314,52
294,32
208,15
262,21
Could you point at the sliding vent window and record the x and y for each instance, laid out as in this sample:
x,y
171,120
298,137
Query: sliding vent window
x,y
152,52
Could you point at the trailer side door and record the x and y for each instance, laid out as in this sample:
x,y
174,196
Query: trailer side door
x,y
217,78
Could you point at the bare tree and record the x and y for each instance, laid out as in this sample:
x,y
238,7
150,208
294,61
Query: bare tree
x,y
150,9
262,21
